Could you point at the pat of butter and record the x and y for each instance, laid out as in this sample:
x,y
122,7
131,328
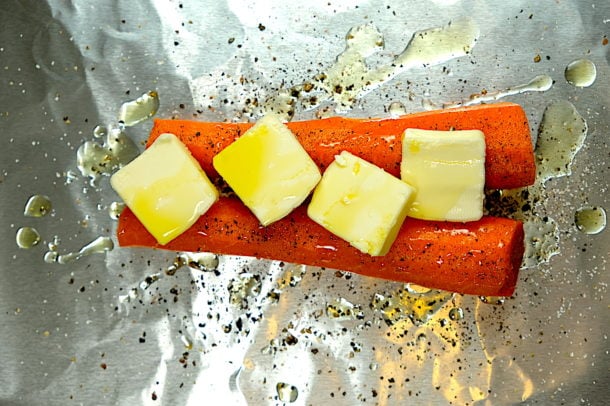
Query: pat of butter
x,y
447,169
360,203
165,188
268,169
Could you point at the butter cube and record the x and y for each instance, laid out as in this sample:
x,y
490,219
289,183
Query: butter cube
x,y
360,203
165,188
268,169
447,169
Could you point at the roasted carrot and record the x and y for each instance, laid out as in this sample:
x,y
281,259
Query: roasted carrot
x,y
479,258
509,159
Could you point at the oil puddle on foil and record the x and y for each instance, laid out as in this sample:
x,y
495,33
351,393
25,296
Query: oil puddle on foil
x,y
561,135
540,83
581,73
95,159
350,77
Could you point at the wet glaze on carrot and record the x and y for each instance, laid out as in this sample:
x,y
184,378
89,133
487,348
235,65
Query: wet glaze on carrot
x,y
509,161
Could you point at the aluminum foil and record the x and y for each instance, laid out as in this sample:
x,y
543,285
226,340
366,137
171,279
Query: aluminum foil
x,y
86,322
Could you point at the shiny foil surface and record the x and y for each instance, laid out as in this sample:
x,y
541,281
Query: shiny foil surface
x,y
85,322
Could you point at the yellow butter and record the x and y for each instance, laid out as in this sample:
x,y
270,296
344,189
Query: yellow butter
x,y
165,188
447,170
268,170
360,203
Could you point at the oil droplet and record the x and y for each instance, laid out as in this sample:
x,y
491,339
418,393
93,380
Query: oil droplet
x,y
100,131
402,304
590,220
140,109
286,392
494,300
27,237
350,77
540,83
95,160
37,206
201,261
397,109
561,135
581,73
115,209
456,313
100,245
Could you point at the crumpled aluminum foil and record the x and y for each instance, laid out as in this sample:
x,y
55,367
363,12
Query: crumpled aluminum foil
x,y
135,326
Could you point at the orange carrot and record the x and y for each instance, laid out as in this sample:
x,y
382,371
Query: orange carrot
x,y
509,161
479,258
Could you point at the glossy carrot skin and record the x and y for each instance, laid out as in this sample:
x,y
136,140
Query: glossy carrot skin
x,y
509,153
478,258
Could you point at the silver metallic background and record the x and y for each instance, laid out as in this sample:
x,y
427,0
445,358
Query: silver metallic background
x,y
69,334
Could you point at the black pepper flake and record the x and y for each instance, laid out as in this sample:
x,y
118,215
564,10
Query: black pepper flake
x,y
261,27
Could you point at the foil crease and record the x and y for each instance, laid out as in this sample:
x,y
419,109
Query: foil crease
x,y
135,326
